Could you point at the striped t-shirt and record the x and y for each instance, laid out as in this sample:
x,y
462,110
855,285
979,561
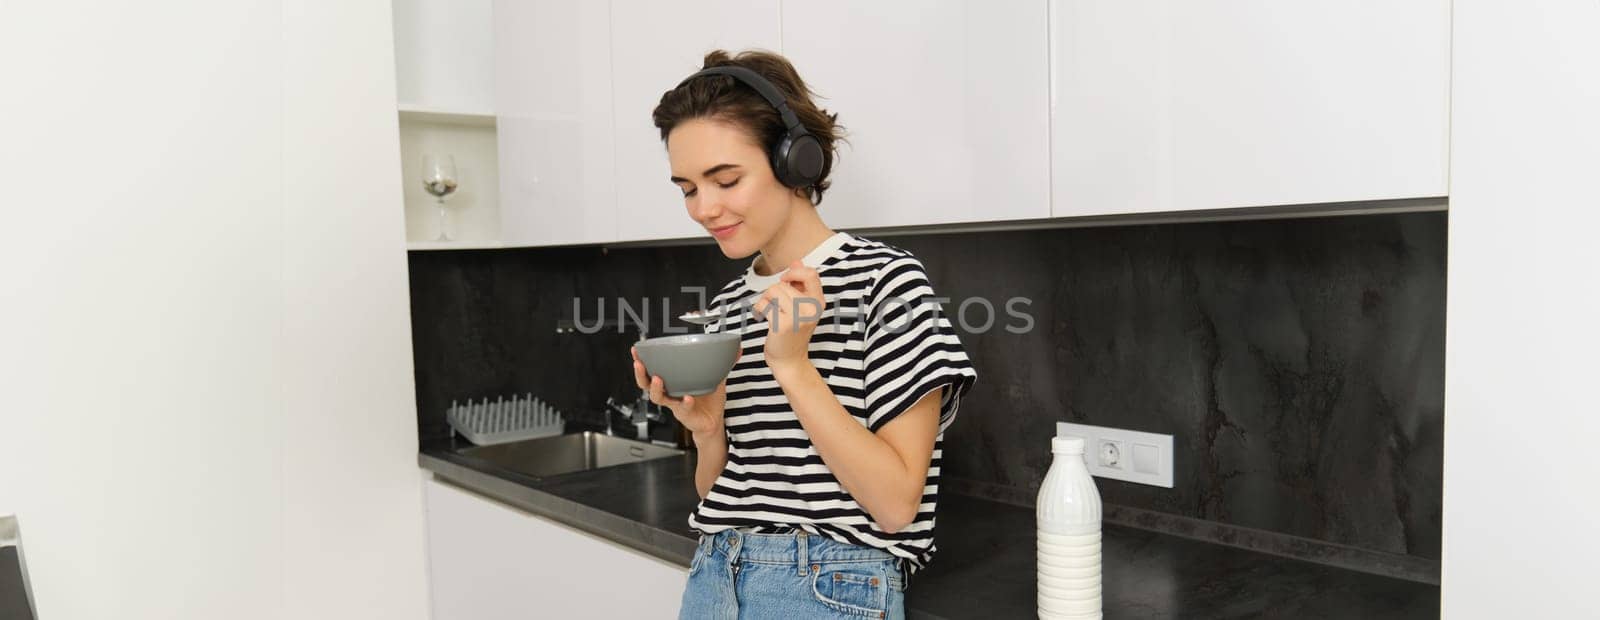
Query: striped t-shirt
x,y
881,343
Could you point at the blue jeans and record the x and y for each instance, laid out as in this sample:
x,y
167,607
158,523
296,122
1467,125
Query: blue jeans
x,y
737,575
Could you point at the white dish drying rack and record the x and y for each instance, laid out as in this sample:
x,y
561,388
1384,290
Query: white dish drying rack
x,y
522,417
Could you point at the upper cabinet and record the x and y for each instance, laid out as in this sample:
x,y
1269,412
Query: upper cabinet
x,y
944,104
444,81
956,111
1166,105
553,90
444,58
654,45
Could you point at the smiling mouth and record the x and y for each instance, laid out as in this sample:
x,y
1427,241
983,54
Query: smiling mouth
x,y
719,232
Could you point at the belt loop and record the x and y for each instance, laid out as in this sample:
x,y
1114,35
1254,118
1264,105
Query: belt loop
x,y
800,552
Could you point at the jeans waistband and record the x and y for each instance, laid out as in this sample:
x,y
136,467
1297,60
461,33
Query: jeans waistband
x,y
798,548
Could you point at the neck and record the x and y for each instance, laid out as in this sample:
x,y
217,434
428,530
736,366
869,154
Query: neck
x,y
802,233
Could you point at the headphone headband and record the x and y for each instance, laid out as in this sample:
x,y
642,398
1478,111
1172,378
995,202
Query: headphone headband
x,y
798,159
760,85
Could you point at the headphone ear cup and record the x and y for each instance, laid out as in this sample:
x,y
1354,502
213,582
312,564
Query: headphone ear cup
x,y
798,160
780,162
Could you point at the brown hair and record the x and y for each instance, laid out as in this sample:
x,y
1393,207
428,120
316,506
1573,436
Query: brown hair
x,y
724,98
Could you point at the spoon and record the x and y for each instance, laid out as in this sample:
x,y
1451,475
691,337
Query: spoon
x,y
700,317
707,317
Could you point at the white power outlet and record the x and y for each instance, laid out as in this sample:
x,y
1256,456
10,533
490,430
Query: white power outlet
x,y
1110,454
1145,458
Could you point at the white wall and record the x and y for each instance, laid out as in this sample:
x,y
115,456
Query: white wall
x,y
1521,417
207,395
352,490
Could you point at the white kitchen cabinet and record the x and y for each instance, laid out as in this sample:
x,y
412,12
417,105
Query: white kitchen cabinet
x,y
944,104
553,93
473,211
444,80
444,58
489,561
655,45
1165,105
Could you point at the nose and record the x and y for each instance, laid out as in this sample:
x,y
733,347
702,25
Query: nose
x,y
707,207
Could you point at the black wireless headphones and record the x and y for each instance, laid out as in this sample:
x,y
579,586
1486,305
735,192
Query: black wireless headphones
x,y
797,157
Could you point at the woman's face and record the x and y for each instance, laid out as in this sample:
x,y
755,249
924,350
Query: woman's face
x,y
728,185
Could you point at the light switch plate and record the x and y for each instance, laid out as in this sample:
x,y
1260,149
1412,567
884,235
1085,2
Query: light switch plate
x,y
1122,454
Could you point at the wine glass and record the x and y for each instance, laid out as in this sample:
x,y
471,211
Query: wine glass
x,y
439,179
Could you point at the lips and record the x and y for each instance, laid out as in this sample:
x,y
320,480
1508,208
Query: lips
x,y
725,231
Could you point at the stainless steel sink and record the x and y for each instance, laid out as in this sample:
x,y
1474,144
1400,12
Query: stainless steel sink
x,y
551,456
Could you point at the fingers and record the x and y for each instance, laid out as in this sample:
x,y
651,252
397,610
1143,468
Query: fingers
x,y
799,309
778,297
657,390
802,278
658,395
783,296
758,309
782,302
766,304
656,387
767,309
640,378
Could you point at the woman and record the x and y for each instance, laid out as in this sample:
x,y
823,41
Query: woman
x,y
818,456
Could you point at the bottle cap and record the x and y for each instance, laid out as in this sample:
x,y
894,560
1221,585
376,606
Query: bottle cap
x,y
1066,445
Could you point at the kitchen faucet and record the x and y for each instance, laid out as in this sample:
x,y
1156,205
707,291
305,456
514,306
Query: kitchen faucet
x,y
641,412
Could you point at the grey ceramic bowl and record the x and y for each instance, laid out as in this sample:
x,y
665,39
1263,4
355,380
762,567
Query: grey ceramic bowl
x,y
689,363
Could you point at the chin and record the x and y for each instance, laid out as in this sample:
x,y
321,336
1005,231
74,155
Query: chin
x,y
735,250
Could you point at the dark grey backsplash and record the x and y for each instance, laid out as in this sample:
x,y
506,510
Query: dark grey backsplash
x,y
1298,363
484,321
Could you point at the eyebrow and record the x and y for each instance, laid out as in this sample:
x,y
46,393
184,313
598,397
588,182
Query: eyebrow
x,y
709,171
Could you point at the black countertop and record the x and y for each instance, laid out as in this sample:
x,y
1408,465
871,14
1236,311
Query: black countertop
x,y
985,564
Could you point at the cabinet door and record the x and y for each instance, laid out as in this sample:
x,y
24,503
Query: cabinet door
x,y
654,46
1164,105
944,104
553,89
443,55
488,561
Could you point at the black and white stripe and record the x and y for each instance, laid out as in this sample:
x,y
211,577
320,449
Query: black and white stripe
x,y
881,344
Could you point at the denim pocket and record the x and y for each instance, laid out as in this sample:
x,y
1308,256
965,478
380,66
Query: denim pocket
x,y
859,588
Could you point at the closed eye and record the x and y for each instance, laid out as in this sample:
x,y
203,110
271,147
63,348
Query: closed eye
x,y
727,185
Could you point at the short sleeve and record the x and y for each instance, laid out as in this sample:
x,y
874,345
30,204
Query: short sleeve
x,y
911,348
